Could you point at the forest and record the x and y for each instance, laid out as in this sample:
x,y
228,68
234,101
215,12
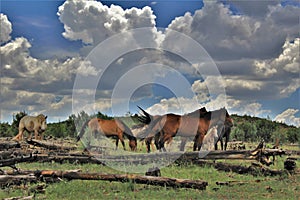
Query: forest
x,y
246,128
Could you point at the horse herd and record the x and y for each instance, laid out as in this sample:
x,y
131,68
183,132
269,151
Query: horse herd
x,y
205,127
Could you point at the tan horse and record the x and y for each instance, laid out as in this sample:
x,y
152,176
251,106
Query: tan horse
x,y
190,125
110,128
30,124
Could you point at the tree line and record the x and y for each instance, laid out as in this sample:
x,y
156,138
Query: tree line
x,y
246,128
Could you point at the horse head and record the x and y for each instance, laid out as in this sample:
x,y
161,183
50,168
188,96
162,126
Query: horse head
x,y
133,144
221,117
43,120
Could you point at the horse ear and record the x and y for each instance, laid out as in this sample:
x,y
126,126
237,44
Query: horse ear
x,y
46,117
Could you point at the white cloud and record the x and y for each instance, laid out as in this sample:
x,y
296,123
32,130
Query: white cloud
x,y
6,29
93,22
228,36
288,117
257,54
288,60
242,84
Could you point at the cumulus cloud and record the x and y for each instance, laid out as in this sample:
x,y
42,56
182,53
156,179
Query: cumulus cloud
x,y
93,22
228,36
256,51
289,117
6,28
30,84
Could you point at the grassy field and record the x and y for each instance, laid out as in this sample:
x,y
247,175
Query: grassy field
x,y
252,187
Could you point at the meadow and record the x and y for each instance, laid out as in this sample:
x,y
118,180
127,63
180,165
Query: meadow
x,y
238,186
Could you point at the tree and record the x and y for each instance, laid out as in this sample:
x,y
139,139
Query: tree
x,y
293,135
237,133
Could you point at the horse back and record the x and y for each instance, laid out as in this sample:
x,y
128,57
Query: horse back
x,y
31,123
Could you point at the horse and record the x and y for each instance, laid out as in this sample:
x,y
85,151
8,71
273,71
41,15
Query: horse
x,y
146,118
224,134
190,125
110,128
36,124
170,119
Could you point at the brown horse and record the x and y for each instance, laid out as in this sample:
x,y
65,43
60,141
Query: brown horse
x,y
110,128
170,119
30,124
190,125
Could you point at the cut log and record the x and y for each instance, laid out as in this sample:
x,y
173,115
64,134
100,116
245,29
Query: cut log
x,y
149,180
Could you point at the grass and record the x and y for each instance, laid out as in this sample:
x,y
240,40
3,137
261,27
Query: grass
x,y
254,187
258,187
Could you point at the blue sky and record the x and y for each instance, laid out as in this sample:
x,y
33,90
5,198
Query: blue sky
x,y
252,45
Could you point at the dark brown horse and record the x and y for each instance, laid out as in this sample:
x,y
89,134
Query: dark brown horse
x,y
225,133
110,128
171,120
190,125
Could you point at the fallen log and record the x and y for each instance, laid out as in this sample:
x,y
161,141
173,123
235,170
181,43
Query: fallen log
x,y
50,146
6,180
20,198
149,180
9,145
254,169
13,161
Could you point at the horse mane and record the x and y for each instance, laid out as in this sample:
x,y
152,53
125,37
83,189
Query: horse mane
x,y
197,113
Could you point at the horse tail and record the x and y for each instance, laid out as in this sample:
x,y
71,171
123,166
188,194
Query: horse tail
x,y
146,118
151,130
82,130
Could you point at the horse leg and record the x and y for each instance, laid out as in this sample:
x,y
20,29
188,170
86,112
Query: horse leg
x,y
196,141
226,141
117,143
36,134
19,135
182,144
123,143
157,139
216,145
221,141
148,142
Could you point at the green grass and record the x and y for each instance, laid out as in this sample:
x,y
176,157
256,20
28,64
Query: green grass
x,y
259,187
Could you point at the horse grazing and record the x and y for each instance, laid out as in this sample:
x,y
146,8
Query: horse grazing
x,y
190,125
110,128
31,124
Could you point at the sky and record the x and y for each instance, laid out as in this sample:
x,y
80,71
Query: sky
x,y
63,57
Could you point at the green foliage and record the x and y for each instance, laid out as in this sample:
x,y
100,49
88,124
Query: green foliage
x,y
7,130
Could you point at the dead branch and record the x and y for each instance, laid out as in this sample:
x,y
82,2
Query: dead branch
x,y
50,146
